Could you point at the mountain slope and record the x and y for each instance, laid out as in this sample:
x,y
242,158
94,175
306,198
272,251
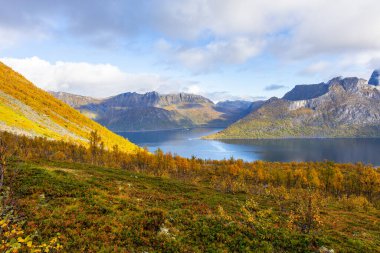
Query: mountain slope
x,y
142,118
153,111
349,108
28,110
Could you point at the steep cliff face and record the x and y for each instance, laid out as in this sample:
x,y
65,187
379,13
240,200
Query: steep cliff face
x,y
132,99
349,108
310,91
304,91
182,98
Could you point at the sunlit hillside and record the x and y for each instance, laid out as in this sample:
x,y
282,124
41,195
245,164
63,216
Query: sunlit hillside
x,y
55,200
28,110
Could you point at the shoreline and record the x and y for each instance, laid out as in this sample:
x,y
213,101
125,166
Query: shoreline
x,y
171,129
293,138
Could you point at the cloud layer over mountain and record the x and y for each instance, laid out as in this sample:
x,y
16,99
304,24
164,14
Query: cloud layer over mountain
x,y
198,37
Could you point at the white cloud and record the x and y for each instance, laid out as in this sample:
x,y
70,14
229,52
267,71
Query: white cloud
x,y
193,89
206,34
189,19
212,55
103,80
315,24
291,30
99,80
338,26
315,68
224,95
11,37
8,37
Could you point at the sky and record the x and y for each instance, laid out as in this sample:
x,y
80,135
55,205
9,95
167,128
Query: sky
x,y
222,49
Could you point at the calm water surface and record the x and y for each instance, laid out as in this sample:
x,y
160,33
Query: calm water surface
x,y
188,143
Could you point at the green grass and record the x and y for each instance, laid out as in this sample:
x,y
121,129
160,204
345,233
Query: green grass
x,y
105,210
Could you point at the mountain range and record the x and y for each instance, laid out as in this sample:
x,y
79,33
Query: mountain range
x,y
342,107
153,111
28,110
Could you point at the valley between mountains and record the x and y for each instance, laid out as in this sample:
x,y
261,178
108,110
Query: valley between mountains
x,y
341,107
153,111
69,184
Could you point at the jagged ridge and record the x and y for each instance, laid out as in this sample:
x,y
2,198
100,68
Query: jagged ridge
x,y
153,111
349,108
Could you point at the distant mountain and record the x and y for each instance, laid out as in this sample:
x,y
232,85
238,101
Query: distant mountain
x,y
28,110
237,108
144,118
309,91
182,98
236,105
153,111
342,107
74,100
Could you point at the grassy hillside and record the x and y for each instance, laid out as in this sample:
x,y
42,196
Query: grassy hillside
x,y
163,203
101,209
200,114
26,109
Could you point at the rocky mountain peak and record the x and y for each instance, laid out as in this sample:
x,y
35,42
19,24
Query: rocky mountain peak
x,y
169,99
152,94
311,91
352,84
133,99
375,78
334,80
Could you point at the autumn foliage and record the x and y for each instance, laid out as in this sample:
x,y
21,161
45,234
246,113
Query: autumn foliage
x,y
257,205
341,180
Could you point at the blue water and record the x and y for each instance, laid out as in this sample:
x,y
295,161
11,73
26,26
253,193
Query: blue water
x,y
188,143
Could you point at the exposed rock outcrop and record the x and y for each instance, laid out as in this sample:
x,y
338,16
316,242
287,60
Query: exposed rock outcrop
x,y
375,78
342,107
